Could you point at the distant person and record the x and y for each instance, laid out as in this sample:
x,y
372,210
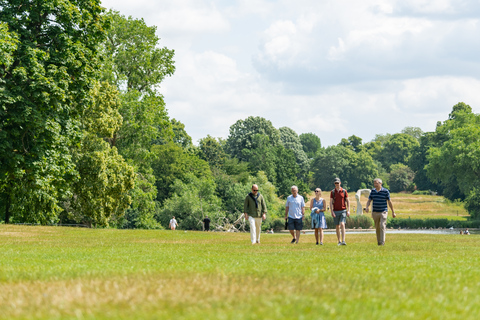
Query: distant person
x,y
173,224
466,231
461,232
295,213
380,198
318,208
340,208
255,210
206,223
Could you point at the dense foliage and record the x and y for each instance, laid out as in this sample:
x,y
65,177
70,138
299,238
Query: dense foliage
x,y
85,135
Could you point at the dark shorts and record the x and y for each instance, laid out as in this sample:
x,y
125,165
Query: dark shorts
x,y
340,216
295,224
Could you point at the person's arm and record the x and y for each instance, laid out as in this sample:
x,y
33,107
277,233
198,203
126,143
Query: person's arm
x,y
368,205
245,208
331,205
286,213
264,209
348,206
390,204
324,206
303,211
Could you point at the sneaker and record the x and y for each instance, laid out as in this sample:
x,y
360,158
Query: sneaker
x,y
317,243
339,243
321,243
344,243
293,240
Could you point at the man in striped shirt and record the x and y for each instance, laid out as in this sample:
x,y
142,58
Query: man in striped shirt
x,y
380,198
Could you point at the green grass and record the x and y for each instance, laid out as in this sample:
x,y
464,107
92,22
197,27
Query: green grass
x,y
66,273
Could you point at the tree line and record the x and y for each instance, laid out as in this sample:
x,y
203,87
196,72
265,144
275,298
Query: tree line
x,y
85,135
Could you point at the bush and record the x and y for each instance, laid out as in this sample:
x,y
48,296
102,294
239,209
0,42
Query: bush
x,y
422,192
358,221
472,203
431,223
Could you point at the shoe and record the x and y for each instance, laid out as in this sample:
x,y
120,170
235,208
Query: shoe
x,y
317,243
293,240
344,243
339,243
321,243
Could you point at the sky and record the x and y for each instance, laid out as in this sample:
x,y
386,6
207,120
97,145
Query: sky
x,y
335,68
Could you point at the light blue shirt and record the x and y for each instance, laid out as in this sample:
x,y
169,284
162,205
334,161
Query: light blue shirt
x,y
295,205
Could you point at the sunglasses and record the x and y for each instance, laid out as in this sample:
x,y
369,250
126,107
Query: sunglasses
x,y
254,190
316,191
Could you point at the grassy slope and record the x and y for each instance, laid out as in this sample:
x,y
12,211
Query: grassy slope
x,y
63,273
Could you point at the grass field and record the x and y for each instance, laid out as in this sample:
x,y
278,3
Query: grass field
x,y
67,273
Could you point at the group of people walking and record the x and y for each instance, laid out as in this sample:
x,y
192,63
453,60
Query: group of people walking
x,y
255,211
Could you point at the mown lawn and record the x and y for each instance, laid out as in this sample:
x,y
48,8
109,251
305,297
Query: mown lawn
x,y
67,273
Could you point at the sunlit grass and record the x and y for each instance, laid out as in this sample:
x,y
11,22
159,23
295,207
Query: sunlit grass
x,y
62,273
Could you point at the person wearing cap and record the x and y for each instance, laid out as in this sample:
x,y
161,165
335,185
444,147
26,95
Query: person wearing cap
x,y
295,213
255,210
380,198
340,208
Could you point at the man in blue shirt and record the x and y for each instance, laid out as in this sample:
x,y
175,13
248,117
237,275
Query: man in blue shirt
x,y
380,198
295,213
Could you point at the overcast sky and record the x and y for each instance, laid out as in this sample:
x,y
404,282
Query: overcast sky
x,y
331,67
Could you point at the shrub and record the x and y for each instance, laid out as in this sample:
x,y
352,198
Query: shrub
x,y
358,221
431,223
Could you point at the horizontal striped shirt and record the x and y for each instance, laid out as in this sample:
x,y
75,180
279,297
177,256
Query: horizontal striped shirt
x,y
379,199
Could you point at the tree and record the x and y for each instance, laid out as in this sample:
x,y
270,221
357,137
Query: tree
x,y
310,143
136,66
136,61
356,170
401,178
454,160
415,132
100,189
291,141
242,134
192,199
46,82
212,152
353,142
173,163
398,149
418,161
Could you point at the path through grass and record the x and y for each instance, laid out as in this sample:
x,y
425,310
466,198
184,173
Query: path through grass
x,y
64,273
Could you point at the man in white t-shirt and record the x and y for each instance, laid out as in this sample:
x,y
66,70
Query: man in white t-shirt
x,y
173,224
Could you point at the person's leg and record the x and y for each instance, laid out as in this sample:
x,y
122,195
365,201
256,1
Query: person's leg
x,y
316,234
342,228
321,235
376,218
383,227
258,224
337,230
297,232
253,229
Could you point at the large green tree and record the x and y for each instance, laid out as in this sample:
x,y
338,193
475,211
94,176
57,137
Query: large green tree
x,y
397,149
136,65
454,160
291,141
311,143
45,85
242,133
356,170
